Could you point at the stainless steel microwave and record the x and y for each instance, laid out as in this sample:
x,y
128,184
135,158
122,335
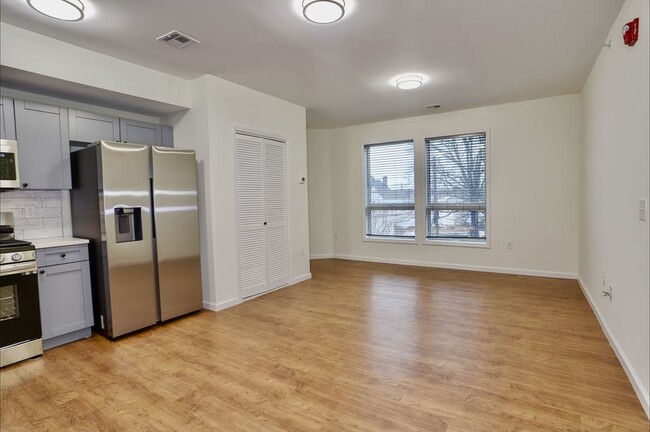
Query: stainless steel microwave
x,y
9,175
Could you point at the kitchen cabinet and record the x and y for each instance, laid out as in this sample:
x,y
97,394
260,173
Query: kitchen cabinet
x,y
43,145
88,127
167,136
7,122
65,294
136,132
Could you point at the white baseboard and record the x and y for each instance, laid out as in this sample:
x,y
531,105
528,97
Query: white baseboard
x,y
216,307
321,256
641,393
301,278
506,270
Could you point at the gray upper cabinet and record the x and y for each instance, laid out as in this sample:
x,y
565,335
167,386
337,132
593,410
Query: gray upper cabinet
x,y
167,136
43,143
88,127
7,122
136,132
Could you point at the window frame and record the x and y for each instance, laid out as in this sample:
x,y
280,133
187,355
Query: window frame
x,y
459,242
365,191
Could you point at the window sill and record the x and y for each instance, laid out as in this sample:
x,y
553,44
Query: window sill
x,y
393,240
459,243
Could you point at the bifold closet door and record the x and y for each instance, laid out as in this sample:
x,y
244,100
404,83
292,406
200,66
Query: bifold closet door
x,y
275,203
262,232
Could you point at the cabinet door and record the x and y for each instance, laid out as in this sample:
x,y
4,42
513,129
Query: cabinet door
x,y
136,132
167,133
88,128
66,303
7,122
43,146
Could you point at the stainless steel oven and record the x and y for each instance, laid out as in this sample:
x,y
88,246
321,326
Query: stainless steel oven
x,y
9,176
20,316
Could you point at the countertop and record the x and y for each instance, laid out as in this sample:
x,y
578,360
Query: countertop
x,y
57,242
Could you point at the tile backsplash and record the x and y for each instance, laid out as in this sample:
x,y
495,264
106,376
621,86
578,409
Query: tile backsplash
x,y
37,214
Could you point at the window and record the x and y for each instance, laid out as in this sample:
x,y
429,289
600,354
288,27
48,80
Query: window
x,y
456,187
390,190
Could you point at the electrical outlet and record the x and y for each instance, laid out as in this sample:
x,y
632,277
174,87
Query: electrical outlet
x,y
302,250
509,244
30,212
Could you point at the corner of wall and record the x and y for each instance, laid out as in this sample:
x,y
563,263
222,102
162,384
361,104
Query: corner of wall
x,y
613,243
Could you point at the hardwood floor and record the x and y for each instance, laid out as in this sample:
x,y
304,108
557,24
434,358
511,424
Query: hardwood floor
x,y
360,347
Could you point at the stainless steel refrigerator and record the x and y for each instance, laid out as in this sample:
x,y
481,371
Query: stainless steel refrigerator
x,y
138,207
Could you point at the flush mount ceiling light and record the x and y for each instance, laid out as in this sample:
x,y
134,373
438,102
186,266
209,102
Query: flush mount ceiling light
x,y
64,10
323,11
409,82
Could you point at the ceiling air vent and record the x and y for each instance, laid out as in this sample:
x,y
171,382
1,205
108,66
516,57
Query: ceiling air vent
x,y
177,39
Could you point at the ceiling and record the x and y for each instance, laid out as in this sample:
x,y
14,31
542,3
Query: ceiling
x,y
473,52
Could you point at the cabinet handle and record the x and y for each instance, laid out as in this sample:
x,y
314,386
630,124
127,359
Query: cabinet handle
x,y
42,271
62,255
25,184
264,223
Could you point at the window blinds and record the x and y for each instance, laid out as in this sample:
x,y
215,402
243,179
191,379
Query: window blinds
x,y
455,186
390,189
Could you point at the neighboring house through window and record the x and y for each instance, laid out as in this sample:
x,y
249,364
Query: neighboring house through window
x,y
390,190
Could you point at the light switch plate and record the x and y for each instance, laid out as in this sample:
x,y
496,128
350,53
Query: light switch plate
x,y
643,210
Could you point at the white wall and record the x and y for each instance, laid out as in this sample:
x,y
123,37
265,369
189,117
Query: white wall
x,y
219,107
614,179
534,159
320,191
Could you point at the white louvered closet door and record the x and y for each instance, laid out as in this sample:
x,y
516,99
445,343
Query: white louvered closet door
x,y
251,232
277,248
262,236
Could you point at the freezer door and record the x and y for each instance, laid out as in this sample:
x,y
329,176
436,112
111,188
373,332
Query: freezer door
x,y
125,192
176,221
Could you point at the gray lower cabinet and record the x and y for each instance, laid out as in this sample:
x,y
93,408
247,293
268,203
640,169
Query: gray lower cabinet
x,y
88,127
65,294
43,145
7,121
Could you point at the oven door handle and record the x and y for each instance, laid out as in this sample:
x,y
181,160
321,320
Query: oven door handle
x,y
12,269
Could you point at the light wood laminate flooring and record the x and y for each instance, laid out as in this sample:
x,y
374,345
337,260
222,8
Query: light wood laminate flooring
x,y
360,347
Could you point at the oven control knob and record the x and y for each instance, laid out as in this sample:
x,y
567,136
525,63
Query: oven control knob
x,y
17,257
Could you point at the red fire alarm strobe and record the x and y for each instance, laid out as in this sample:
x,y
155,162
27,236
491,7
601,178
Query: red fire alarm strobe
x,y
631,32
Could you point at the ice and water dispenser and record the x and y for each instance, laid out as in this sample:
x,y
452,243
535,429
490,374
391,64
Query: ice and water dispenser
x,y
128,224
